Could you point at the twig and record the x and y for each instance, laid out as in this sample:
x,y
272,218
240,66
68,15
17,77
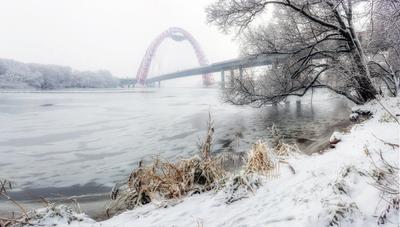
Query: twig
x,y
290,166
393,145
393,116
15,203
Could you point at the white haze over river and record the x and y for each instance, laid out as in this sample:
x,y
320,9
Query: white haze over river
x,y
96,137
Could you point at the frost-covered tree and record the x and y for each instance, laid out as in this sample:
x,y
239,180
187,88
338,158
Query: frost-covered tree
x,y
319,36
15,74
383,43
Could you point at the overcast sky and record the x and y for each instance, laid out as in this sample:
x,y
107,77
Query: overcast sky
x,y
106,34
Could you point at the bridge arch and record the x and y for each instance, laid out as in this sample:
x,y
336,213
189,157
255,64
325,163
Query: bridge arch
x,y
176,34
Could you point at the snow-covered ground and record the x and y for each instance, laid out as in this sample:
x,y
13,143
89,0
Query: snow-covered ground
x,y
333,187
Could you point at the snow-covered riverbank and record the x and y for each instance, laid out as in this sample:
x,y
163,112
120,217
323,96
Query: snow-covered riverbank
x,y
337,187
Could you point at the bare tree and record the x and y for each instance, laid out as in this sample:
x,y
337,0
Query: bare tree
x,y
384,43
319,37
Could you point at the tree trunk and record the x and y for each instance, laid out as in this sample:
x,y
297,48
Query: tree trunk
x,y
365,90
396,86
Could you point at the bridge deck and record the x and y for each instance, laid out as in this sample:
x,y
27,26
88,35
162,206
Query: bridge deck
x,y
247,62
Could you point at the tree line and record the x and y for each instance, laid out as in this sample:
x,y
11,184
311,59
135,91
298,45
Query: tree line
x,y
18,75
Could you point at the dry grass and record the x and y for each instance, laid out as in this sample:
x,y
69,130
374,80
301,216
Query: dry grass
x,y
165,180
285,149
261,160
172,180
281,149
206,146
22,217
385,178
265,160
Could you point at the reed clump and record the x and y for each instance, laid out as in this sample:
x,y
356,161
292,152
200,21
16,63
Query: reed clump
x,y
261,159
281,149
265,160
163,180
173,180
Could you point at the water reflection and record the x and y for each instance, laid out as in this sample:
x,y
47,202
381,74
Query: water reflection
x,y
308,124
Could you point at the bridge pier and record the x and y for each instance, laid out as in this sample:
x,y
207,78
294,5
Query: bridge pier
x,y
298,107
222,79
241,73
275,64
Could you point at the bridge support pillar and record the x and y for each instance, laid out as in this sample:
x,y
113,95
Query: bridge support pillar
x,y
241,73
159,83
223,79
275,64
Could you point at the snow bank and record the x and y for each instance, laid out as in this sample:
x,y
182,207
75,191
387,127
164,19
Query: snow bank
x,y
332,188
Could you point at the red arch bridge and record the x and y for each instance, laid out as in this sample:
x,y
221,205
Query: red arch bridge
x,y
205,69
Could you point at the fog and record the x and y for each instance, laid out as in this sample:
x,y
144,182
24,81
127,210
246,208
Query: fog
x,y
111,35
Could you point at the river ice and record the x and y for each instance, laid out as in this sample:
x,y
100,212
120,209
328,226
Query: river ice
x,y
65,138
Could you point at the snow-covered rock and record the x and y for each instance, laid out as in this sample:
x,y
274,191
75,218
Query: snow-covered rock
x,y
335,138
354,116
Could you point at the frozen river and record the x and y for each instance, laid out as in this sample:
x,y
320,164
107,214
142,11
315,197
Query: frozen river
x,y
85,141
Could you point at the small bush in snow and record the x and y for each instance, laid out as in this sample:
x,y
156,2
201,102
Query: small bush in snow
x,y
339,206
53,215
385,178
240,186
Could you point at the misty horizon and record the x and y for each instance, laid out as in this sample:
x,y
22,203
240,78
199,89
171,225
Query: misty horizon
x,y
107,36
